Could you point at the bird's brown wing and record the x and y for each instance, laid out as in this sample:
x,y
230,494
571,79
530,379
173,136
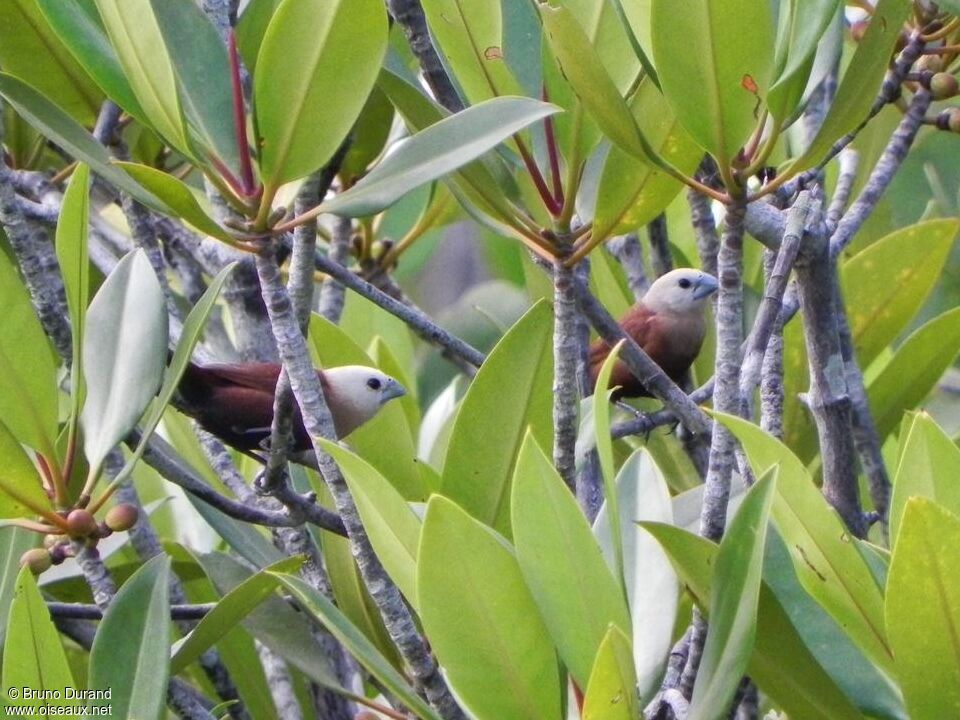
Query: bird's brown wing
x,y
639,323
256,376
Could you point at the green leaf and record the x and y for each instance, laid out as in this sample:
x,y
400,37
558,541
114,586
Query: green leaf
x,y
734,598
178,196
715,61
802,25
477,475
652,587
591,81
469,33
31,50
75,269
189,336
828,564
612,693
230,610
65,132
327,614
886,284
21,489
631,192
393,528
370,135
923,610
781,664
124,354
79,28
199,59
251,28
481,619
310,87
28,385
275,623
14,541
136,37
929,462
914,370
33,656
577,595
439,149
860,84
601,425
385,442
133,635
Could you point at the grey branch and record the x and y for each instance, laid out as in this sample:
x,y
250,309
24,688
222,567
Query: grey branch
x,y
565,358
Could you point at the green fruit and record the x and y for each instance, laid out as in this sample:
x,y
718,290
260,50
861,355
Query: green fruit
x,y
81,523
37,560
121,517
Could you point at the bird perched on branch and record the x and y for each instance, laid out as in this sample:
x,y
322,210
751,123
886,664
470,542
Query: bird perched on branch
x,y
668,323
235,401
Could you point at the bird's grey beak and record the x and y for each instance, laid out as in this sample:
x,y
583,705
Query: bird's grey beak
x,y
391,389
706,286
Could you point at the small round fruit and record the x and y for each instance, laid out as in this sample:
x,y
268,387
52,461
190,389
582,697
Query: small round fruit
x,y
81,523
121,517
933,63
37,560
943,85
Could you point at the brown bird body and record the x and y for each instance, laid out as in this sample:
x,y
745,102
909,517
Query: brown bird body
x,y
235,401
668,323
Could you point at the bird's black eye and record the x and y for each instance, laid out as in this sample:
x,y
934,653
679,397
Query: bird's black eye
x,y
684,283
373,383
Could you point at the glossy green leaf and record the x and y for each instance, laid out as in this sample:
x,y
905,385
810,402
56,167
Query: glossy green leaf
x,y
872,692
33,656
14,541
275,623
327,614
577,595
230,610
28,385
860,84
178,196
631,192
469,34
887,283
923,610
310,87
385,442
199,59
251,28
601,427
31,50
717,90
734,597
441,148
473,184
477,475
482,621
75,270
929,462
652,588
590,80
130,648
78,26
144,57
369,136
64,130
611,693
124,354
827,562
914,370
393,528
802,25
21,489
781,664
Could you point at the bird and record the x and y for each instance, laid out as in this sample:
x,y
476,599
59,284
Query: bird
x,y
234,401
668,323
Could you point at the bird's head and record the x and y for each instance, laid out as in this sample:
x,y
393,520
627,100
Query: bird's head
x,y
680,291
358,394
